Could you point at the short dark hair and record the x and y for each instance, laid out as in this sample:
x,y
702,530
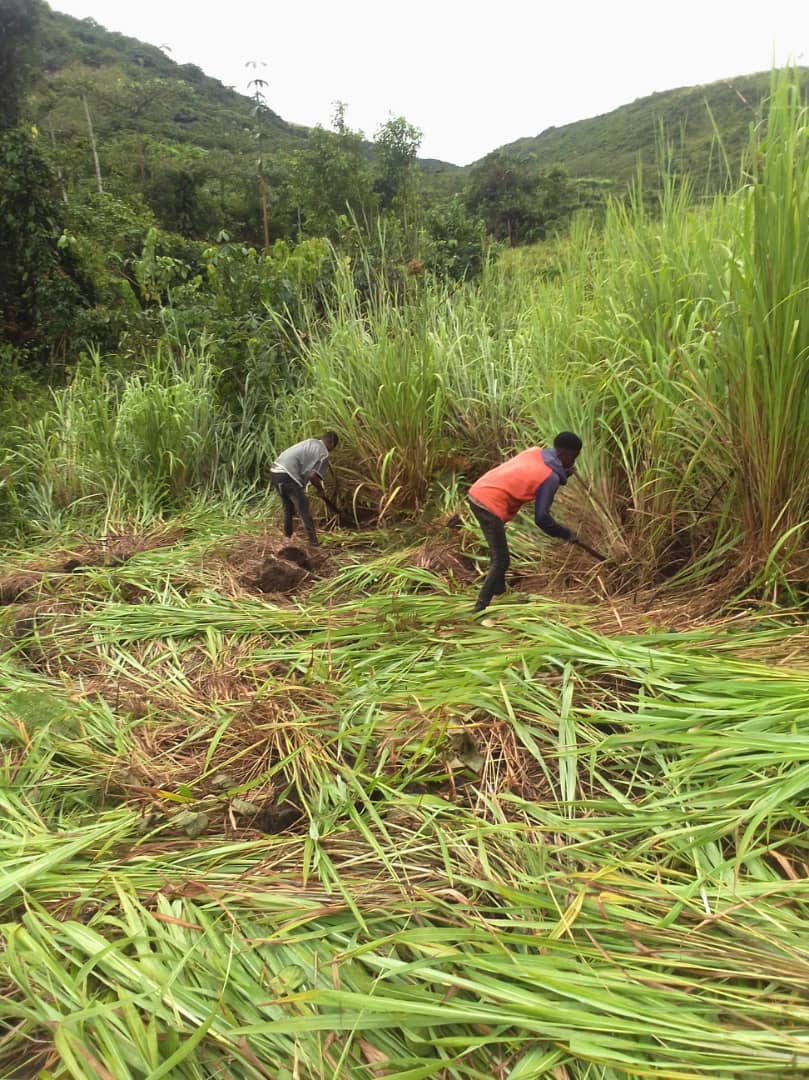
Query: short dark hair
x,y
566,440
331,436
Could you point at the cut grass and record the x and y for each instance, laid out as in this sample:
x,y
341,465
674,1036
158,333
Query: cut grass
x,y
519,848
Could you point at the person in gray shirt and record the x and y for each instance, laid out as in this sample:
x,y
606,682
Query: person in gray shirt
x,y
305,462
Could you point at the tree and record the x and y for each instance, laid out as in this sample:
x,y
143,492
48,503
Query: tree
x,y
516,199
333,178
147,101
454,244
71,106
396,145
260,114
18,19
175,188
38,298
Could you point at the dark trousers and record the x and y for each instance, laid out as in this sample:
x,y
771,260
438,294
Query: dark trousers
x,y
494,532
294,501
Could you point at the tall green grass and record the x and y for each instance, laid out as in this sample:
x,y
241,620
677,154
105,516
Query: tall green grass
x,y
764,333
673,338
141,443
418,387
697,327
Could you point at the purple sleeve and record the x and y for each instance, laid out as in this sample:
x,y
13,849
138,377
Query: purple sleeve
x,y
543,498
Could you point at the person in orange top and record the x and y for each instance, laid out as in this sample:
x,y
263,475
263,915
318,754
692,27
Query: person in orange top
x,y
533,475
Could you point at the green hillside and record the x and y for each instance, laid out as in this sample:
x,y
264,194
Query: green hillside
x,y
609,146
139,90
183,143
176,103
202,111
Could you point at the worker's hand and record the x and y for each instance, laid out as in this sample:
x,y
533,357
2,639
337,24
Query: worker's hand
x,y
571,471
573,538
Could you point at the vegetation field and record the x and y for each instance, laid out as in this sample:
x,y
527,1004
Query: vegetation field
x,y
272,810
348,830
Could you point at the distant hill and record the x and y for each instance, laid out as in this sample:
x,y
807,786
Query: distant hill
x,y
609,147
205,113
144,102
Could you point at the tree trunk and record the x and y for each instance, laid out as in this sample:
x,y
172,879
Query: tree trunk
x,y
60,176
263,187
96,162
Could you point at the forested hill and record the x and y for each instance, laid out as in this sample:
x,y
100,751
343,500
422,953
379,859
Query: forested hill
x,y
138,89
176,101
609,146
125,176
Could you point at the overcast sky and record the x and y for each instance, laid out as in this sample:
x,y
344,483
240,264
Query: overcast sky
x,y
473,76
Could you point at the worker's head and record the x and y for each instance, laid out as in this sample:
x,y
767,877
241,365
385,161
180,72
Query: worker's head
x,y
567,447
329,440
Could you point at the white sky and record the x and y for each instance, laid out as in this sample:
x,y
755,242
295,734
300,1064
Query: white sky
x,y
472,75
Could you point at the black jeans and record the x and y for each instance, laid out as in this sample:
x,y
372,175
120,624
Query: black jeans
x,y
494,532
294,501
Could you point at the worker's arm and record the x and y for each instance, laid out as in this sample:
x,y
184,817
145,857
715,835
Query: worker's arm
x,y
543,499
316,480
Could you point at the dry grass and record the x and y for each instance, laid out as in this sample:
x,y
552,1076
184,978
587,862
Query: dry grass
x,y
368,782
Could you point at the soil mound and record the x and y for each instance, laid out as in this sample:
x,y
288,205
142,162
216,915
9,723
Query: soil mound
x,y
262,564
19,586
445,557
295,555
276,575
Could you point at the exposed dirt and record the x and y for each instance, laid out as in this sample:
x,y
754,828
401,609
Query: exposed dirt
x,y
116,549
354,516
444,556
20,586
276,817
28,583
262,564
34,631
295,555
275,575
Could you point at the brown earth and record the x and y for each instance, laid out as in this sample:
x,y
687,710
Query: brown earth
x,y
27,583
263,564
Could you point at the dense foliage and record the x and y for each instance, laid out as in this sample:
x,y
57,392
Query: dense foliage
x,y
133,159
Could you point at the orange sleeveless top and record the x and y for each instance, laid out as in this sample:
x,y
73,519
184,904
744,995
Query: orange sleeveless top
x,y
507,487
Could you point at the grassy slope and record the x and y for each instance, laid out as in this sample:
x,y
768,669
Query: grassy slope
x,y
604,147
568,841
609,146
217,115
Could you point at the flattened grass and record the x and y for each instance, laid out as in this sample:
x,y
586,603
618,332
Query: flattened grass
x,y
533,845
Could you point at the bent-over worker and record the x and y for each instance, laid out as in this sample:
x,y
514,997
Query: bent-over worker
x,y
305,462
496,497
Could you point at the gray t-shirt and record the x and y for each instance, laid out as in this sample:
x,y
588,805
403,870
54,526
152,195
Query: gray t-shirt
x,y
301,459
